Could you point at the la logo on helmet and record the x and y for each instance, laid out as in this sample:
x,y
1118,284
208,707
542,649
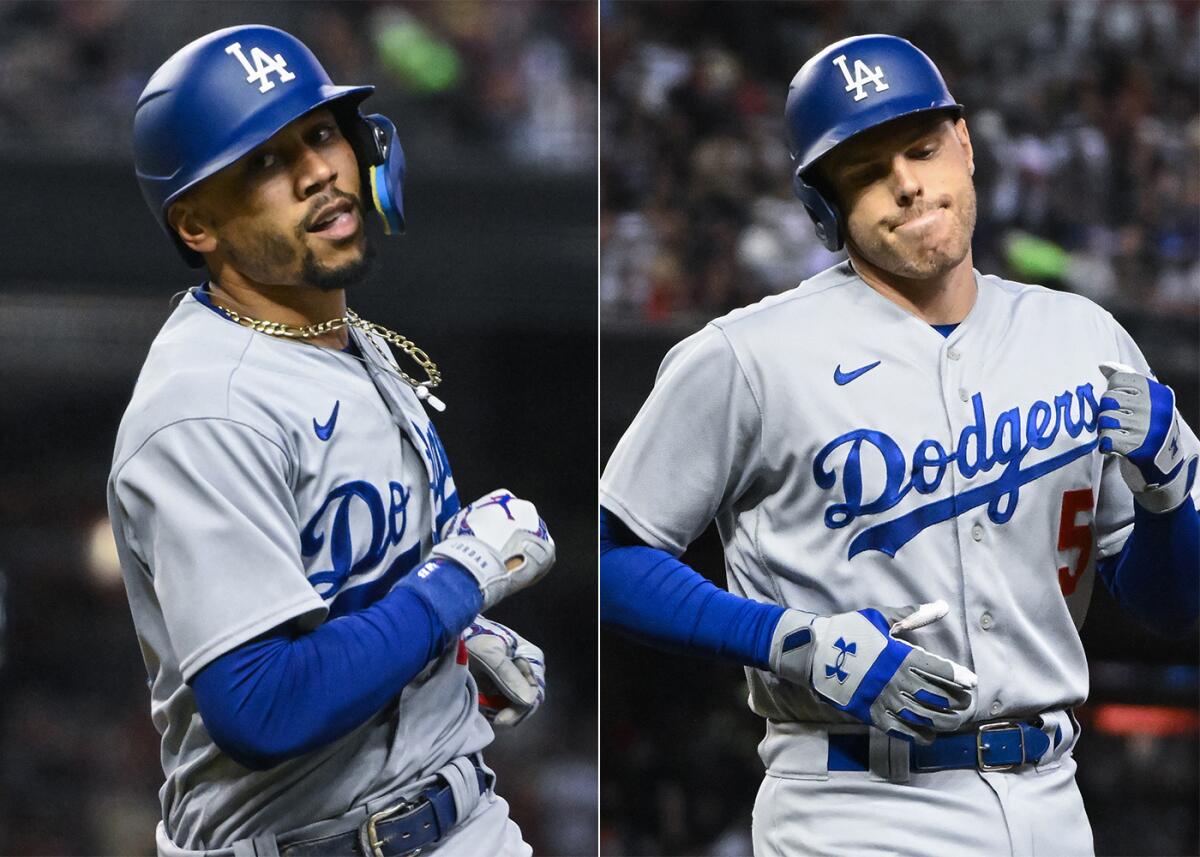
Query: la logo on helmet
x,y
862,76
264,64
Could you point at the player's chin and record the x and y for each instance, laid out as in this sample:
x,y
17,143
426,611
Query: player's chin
x,y
922,264
338,270
336,253
931,254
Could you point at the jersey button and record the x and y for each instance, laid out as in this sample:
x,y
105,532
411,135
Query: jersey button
x,y
995,707
986,622
962,394
953,353
977,533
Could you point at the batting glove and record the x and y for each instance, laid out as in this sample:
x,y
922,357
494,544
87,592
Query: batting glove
x,y
1139,423
854,663
501,541
509,670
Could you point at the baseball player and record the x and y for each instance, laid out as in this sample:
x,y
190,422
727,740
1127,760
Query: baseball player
x,y
903,430
304,581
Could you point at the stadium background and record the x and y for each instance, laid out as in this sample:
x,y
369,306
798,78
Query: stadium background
x,y
496,278
1085,125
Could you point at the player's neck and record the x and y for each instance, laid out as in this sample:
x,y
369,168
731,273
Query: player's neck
x,y
297,306
944,299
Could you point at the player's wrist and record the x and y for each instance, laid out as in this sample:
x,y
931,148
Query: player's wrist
x,y
1166,498
448,589
478,560
792,647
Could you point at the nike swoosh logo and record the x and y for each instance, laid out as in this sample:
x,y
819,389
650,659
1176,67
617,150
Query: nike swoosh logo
x,y
324,432
842,378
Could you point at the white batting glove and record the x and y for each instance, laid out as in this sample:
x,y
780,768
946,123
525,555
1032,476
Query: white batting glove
x,y
509,670
854,663
501,541
1138,422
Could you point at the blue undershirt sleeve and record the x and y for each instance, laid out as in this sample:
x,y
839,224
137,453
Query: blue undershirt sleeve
x,y
647,594
1156,576
286,694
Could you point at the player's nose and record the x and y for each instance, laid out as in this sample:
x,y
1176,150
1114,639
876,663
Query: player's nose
x,y
313,172
906,185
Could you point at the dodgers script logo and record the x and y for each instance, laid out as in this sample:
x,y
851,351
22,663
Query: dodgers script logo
x,y
351,557
389,524
979,450
264,64
863,74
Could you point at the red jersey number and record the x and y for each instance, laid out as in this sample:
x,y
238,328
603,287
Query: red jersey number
x,y
1072,534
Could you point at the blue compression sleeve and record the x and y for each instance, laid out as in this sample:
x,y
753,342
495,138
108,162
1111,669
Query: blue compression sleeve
x,y
650,595
1156,576
287,694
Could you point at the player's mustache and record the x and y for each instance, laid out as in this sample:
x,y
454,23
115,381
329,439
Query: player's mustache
x,y
913,212
326,199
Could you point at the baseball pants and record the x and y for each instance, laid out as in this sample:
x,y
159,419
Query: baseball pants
x,y
1032,811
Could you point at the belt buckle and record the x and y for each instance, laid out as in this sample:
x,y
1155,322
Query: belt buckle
x,y
999,726
373,844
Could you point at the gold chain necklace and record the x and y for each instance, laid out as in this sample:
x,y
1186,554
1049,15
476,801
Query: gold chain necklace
x,y
433,375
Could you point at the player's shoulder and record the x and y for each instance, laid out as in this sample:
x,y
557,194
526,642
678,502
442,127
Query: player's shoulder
x,y
1028,297
193,364
801,316
201,368
827,291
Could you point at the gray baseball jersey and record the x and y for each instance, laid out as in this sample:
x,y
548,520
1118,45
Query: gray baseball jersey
x,y
852,456
256,482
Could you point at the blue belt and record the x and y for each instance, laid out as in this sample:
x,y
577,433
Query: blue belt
x,y
400,830
1000,746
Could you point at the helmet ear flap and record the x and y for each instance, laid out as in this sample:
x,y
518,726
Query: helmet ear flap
x,y
826,217
381,160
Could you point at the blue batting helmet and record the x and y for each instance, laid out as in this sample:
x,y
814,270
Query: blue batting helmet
x,y
847,88
226,93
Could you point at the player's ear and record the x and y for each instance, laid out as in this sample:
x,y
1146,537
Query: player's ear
x,y
964,140
191,226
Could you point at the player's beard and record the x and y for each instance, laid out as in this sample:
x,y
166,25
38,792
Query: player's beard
x,y
349,274
919,262
269,257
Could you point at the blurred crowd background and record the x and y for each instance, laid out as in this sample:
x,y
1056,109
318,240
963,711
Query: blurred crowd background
x,y
495,104
1085,118
1083,115
514,81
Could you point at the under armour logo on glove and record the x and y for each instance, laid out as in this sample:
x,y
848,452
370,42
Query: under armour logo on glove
x,y
891,684
835,669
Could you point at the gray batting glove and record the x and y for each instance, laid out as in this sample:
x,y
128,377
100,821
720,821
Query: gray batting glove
x,y
854,663
501,541
1138,422
509,670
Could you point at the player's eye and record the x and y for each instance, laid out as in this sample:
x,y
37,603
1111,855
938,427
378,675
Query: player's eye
x,y
864,175
262,161
925,151
324,132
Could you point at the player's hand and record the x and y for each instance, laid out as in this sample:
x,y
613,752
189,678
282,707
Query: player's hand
x,y
1138,422
854,663
501,541
510,672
